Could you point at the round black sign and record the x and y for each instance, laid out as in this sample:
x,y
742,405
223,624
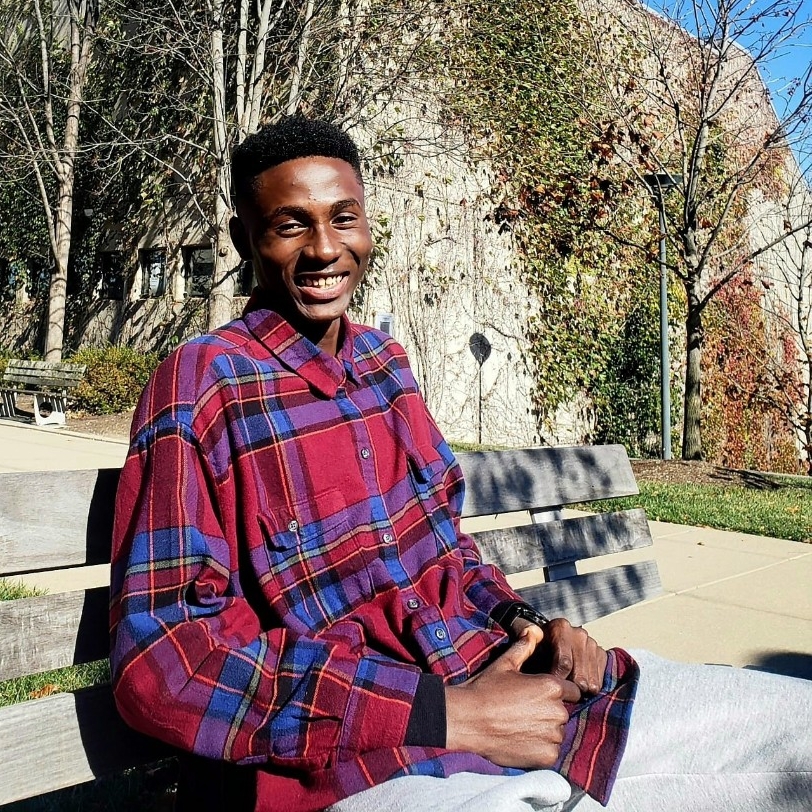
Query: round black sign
x,y
480,347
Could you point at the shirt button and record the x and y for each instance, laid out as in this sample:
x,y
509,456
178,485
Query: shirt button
x,y
440,634
365,453
387,538
293,525
413,603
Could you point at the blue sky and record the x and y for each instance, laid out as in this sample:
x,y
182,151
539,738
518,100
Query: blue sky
x,y
788,64
791,61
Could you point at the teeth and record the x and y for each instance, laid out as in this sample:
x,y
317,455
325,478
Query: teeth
x,y
322,282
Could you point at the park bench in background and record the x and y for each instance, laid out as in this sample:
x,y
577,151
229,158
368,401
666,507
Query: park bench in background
x,y
47,382
66,739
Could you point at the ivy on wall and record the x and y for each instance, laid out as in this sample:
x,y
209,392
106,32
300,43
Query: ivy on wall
x,y
519,72
743,423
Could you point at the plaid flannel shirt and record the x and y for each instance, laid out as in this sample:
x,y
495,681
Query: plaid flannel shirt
x,y
290,586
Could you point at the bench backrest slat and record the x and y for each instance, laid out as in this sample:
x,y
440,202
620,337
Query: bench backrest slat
x,y
52,631
67,739
523,479
74,529
514,549
43,373
595,594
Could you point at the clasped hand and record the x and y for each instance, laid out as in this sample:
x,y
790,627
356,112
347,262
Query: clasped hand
x,y
564,651
514,718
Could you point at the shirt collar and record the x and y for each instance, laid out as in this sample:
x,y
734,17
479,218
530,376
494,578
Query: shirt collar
x,y
320,370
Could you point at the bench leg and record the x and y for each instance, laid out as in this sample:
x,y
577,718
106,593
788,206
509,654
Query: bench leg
x,y
8,403
57,405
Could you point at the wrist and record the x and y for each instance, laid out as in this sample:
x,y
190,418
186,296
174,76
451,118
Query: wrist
x,y
520,611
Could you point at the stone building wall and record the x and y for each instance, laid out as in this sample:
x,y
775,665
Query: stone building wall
x,y
442,273
445,273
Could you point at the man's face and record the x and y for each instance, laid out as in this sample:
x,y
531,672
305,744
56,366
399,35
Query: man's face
x,y
306,231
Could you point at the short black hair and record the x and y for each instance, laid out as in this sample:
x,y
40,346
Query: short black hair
x,y
291,137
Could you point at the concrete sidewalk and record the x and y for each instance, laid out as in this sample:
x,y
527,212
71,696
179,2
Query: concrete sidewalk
x,y
26,447
728,597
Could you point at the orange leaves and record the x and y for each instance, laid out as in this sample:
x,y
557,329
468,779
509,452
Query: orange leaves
x,y
46,690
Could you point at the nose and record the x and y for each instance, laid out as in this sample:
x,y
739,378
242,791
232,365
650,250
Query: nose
x,y
324,245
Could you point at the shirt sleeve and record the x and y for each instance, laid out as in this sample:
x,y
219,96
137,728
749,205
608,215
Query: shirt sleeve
x,y
485,585
191,663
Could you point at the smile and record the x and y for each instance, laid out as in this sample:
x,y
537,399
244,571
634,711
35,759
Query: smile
x,y
321,282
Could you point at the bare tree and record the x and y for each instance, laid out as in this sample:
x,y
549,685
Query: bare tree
x,y
684,100
217,81
46,49
251,62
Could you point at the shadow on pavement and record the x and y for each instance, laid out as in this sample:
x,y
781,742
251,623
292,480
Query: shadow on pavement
x,y
791,663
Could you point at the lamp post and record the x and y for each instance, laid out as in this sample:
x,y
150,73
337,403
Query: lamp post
x,y
660,183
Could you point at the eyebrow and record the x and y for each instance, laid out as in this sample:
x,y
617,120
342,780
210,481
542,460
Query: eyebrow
x,y
300,212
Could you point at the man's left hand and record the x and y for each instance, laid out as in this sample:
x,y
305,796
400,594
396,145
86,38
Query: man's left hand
x,y
564,651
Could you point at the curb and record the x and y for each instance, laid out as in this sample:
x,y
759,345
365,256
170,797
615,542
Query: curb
x,y
64,431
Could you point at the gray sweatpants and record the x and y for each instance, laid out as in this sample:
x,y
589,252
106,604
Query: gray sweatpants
x,y
702,738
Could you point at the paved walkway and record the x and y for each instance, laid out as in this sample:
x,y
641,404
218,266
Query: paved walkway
x,y
728,597
26,447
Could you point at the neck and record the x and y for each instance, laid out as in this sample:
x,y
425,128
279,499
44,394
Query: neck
x,y
327,336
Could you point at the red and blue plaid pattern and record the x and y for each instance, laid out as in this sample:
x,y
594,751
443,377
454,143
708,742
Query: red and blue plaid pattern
x,y
287,562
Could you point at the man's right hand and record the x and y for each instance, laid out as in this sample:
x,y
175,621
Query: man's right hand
x,y
510,718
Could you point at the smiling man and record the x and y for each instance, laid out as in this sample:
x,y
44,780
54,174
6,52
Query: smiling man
x,y
293,601
303,225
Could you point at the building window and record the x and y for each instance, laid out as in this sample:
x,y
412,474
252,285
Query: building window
x,y
153,272
39,277
73,282
246,280
385,322
112,275
198,267
8,280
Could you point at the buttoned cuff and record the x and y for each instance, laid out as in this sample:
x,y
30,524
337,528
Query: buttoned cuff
x,y
427,721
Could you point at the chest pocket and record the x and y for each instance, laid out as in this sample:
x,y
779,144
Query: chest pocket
x,y
426,472
315,571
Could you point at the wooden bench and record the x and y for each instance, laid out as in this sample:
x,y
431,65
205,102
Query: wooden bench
x,y
47,381
79,736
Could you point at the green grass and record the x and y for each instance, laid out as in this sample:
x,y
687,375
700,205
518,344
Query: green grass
x,y
783,512
62,680
12,590
460,446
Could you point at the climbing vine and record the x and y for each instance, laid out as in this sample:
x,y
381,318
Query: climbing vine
x,y
744,424
520,71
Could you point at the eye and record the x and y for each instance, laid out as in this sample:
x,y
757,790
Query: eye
x,y
289,227
345,218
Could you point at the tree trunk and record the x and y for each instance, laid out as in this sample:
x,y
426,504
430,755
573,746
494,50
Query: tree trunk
x,y
57,295
83,20
692,404
222,289
225,260
295,93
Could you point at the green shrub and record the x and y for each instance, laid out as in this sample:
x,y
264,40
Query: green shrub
x,y
113,380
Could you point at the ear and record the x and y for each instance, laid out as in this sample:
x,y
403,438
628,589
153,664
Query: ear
x,y
239,238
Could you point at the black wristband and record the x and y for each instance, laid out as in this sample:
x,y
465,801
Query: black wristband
x,y
521,610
